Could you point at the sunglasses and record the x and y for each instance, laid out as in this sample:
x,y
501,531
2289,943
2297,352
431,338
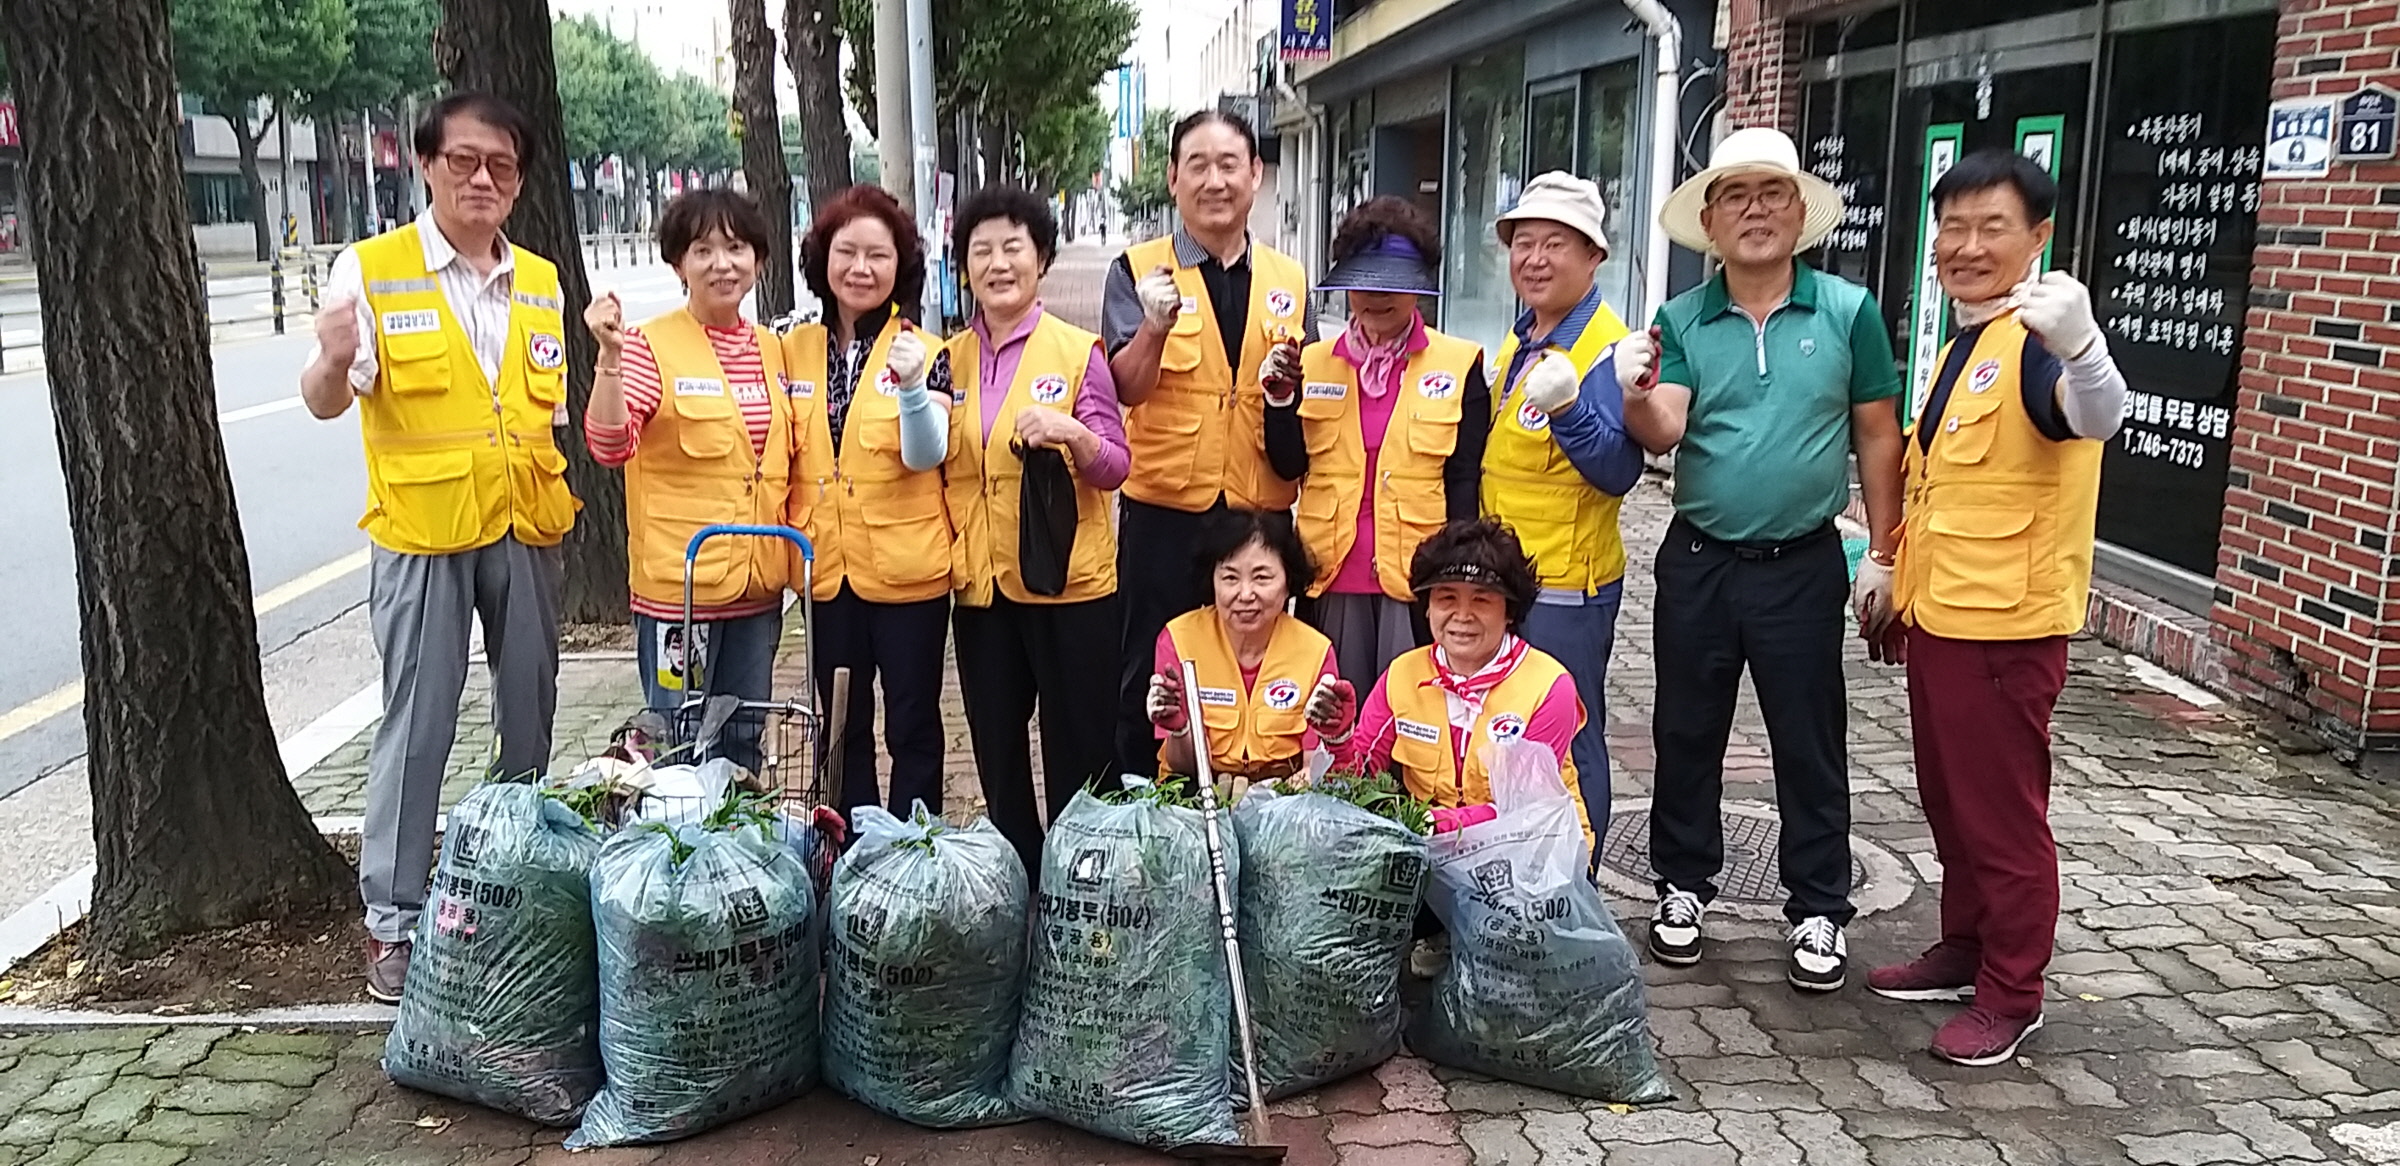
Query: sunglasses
x,y
464,164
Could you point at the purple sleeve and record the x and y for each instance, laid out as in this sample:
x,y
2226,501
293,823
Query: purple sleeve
x,y
1097,408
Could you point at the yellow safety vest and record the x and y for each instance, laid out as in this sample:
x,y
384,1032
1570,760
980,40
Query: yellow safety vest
x,y
985,474
1997,539
695,466
1203,430
454,461
1254,730
873,521
1568,526
1409,500
1422,743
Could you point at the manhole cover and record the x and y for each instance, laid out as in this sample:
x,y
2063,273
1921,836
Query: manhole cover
x,y
1752,877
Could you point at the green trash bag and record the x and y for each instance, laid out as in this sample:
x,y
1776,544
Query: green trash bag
x,y
708,980
1128,1014
1542,988
1329,898
925,961
501,1006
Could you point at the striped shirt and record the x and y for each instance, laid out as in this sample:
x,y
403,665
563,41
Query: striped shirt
x,y
480,300
737,354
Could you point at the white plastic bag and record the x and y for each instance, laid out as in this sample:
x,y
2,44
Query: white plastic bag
x,y
1542,987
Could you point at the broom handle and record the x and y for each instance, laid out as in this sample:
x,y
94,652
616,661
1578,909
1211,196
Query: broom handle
x,y
1225,922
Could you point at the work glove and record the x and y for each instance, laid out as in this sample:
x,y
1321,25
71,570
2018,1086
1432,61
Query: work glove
x,y
1331,707
1279,374
907,358
1451,818
1871,598
1552,384
1891,647
2059,310
1636,361
1161,299
1166,703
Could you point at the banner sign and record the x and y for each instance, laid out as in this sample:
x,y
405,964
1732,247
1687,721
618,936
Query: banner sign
x,y
1307,31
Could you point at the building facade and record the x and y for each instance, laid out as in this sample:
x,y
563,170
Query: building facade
x,y
2246,279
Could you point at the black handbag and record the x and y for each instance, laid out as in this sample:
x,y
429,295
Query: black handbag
x,y
1046,520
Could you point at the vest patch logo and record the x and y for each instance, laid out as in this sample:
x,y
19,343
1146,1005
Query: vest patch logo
x,y
1220,696
1532,419
546,352
1281,694
1049,389
699,387
1436,386
411,323
1506,727
1417,732
1280,302
1324,391
793,388
1984,377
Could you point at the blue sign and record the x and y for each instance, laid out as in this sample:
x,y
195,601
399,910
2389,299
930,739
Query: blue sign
x,y
2300,138
2365,130
1307,30
1128,111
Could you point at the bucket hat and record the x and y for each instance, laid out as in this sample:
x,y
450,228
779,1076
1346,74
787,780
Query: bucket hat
x,y
1561,198
1757,150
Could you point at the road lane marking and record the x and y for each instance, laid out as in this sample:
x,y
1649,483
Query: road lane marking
x,y
250,411
70,694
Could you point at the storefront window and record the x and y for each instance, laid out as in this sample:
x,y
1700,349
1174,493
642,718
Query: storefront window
x,y
1846,136
217,198
1487,115
1550,131
1610,156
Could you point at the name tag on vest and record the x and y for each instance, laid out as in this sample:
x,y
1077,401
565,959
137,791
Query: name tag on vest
x,y
800,388
699,387
1324,390
410,323
1220,696
1417,732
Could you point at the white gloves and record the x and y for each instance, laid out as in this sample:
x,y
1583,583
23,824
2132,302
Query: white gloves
x,y
1161,299
1552,383
2059,310
1331,706
1165,705
907,358
1636,357
1871,598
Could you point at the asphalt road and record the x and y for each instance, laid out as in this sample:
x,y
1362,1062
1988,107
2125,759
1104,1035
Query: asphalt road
x,y
299,485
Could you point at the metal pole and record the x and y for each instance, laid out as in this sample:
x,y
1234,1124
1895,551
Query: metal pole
x,y
372,224
894,127
283,150
275,278
928,157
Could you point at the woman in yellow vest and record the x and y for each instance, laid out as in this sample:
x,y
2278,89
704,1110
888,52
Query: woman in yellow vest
x,y
1395,415
1037,449
690,403
1433,715
867,489
1269,690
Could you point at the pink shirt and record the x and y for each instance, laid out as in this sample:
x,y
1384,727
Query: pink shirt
x,y
1369,748
1095,406
1357,576
1166,662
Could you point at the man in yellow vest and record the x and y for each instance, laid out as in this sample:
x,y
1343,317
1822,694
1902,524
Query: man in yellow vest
x,y
1204,329
1558,462
450,340
1995,565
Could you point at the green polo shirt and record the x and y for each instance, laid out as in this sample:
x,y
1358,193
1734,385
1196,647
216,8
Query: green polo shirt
x,y
1766,450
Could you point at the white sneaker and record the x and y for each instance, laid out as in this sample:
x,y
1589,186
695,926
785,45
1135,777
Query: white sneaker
x,y
1675,928
1820,957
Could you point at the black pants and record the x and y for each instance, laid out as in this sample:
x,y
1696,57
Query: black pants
x,y
903,643
1159,577
1782,610
1062,657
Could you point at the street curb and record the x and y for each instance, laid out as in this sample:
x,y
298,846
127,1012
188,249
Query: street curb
x,y
314,1017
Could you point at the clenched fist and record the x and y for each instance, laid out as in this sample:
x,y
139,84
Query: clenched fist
x,y
2059,310
1161,299
337,330
1552,384
605,316
907,358
1636,360
1330,708
1165,704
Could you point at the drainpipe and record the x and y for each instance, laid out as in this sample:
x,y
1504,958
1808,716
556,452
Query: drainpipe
x,y
1666,137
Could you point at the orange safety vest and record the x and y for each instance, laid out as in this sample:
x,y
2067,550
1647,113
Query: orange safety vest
x,y
1203,430
1568,526
1410,502
872,520
1422,746
985,475
1997,542
454,461
695,466
1253,730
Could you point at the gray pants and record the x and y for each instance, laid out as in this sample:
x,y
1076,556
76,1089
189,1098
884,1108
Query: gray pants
x,y
421,606
1368,633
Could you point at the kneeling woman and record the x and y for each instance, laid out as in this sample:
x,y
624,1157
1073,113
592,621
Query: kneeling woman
x,y
1269,687
1436,711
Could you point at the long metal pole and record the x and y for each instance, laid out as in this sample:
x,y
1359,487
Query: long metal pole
x,y
894,128
283,147
928,157
372,224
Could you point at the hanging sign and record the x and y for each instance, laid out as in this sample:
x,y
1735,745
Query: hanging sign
x,y
1307,33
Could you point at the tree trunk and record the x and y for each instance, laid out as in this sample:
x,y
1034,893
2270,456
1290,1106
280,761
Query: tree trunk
x,y
246,147
333,177
503,47
812,36
762,148
194,822
992,127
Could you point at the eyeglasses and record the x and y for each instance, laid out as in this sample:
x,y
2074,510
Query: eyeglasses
x,y
464,164
1771,199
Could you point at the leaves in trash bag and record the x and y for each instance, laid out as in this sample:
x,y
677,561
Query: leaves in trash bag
x,y
1380,794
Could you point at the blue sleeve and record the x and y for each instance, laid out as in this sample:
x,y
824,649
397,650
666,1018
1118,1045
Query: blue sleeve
x,y
924,422
1592,432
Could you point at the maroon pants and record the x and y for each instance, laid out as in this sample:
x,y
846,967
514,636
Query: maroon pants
x,y
1981,712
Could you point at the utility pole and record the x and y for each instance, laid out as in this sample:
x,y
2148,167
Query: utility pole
x,y
366,155
283,148
894,126
928,155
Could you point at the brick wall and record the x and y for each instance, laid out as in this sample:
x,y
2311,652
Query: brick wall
x,y
2306,605
1762,55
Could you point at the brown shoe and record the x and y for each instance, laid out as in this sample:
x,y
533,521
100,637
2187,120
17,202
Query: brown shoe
x,y
387,969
